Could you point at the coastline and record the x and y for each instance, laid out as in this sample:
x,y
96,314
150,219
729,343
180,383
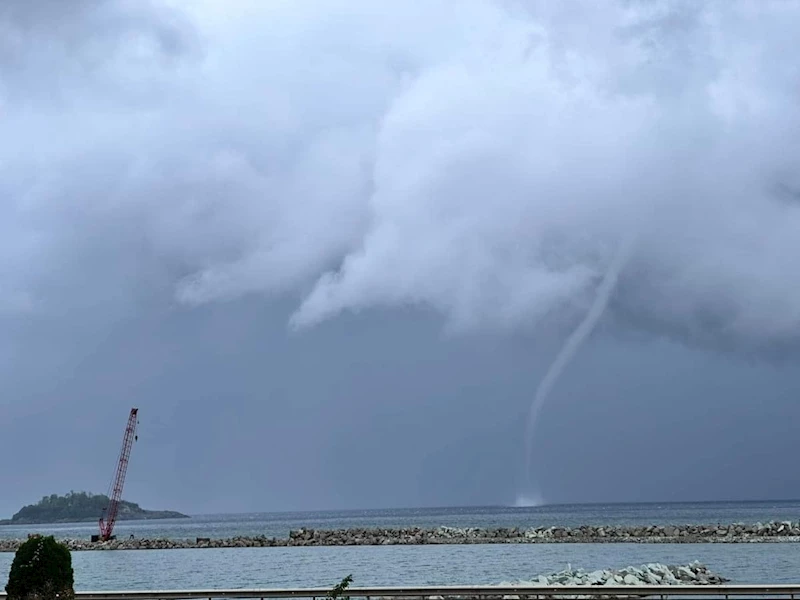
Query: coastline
x,y
150,516
734,533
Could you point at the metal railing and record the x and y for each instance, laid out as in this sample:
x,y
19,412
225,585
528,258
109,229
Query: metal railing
x,y
739,592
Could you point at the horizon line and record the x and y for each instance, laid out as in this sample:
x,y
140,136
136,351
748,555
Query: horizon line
x,y
500,506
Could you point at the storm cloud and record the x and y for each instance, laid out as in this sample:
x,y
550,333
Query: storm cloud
x,y
484,163
480,163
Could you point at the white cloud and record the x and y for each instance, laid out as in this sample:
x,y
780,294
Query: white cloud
x,y
484,161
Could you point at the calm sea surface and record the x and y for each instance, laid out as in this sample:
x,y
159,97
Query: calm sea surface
x,y
406,565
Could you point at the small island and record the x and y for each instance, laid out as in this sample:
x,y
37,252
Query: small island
x,y
77,507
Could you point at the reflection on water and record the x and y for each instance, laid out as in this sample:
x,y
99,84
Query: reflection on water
x,y
408,565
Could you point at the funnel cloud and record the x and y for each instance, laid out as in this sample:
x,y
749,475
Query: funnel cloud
x,y
571,347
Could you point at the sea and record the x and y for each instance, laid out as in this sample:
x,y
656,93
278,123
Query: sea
x,y
417,565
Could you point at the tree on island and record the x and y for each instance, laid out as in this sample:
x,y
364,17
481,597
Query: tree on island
x,y
82,506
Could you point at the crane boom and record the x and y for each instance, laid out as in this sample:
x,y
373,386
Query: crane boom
x,y
109,516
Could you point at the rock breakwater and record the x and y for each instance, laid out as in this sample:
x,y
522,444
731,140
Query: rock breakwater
x,y
737,532
784,531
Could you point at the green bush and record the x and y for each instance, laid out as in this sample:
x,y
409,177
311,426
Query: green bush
x,y
41,570
338,589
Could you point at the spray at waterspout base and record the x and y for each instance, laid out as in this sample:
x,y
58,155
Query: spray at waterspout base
x,y
528,501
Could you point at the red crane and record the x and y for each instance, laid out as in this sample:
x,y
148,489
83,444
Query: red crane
x,y
109,516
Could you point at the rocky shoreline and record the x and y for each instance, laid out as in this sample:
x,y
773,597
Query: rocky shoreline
x,y
694,574
784,531
650,574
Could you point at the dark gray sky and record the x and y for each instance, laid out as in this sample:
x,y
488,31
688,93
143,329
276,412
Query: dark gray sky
x,y
331,249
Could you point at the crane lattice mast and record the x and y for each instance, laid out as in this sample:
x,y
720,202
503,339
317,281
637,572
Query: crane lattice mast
x,y
110,512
